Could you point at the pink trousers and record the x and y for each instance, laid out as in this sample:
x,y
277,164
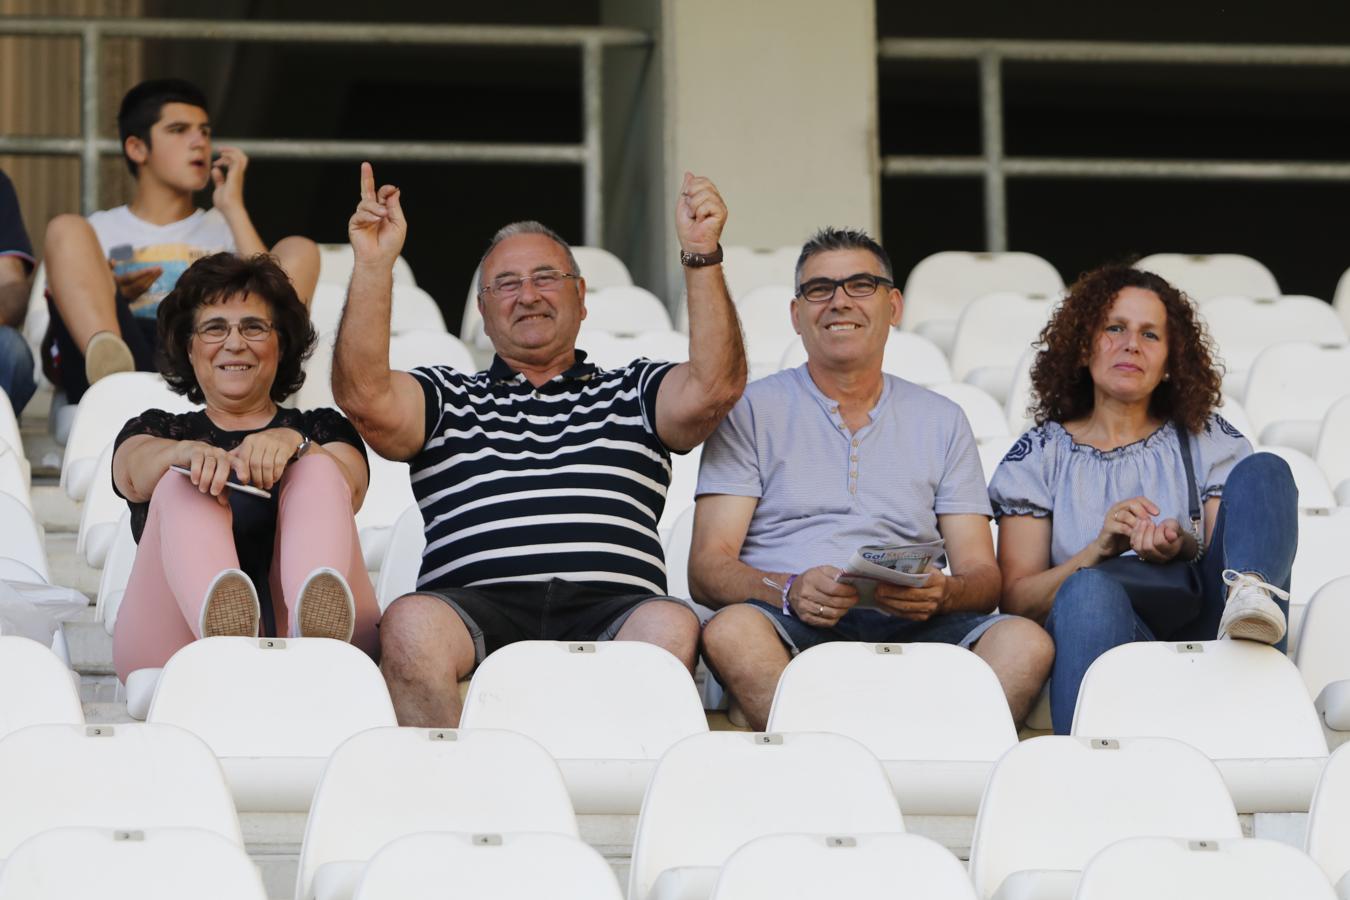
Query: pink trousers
x,y
188,540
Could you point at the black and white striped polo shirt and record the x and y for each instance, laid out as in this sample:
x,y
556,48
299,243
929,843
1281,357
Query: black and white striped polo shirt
x,y
567,480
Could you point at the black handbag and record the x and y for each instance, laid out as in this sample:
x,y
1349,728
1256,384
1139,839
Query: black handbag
x,y
1165,595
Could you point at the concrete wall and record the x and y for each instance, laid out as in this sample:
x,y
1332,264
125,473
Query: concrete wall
x,y
775,100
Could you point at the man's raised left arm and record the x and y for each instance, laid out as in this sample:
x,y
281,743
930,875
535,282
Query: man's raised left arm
x,y
696,395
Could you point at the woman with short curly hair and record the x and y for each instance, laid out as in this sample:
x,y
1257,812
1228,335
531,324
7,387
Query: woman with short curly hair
x,y
1126,445
255,529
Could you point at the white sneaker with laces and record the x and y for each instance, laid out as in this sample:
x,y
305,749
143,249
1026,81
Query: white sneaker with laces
x,y
1250,614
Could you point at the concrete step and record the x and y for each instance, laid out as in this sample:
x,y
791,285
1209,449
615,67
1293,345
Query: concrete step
x,y
90,650
55,512
67,567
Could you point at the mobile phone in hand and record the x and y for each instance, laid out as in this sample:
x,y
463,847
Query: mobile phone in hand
x,y
246,488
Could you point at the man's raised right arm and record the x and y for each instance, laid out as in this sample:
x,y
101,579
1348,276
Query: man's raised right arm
x,y
386,407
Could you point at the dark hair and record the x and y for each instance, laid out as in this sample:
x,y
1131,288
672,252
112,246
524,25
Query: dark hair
x,y
142,105
215,279
829,238
1061,384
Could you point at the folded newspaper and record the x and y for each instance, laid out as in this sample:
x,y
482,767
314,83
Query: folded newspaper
x,y
901,564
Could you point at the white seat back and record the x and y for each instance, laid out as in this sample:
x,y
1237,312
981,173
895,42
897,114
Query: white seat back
x,y
14,474
318,693
605,710
1244,326
941,286
112,584
1241,703
130,864
1333,449
515,866
714,792
680,494
110,776
1203,276
1172,869
411,308
766,320
983,412
1320,558
35,687
99,512
102,412
747,268
1322,660
865,865
676,547
336,261
386,783
610,351
1019,395
1291,387
20,538
934,714
389,494
992,334
1328,838
402,558
1314,491
429,347
9,425
1053,802
626,309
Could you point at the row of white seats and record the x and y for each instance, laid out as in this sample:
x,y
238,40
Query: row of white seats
x,y
707,795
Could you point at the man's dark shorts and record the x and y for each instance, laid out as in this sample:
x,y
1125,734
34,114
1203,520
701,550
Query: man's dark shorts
x,y
876,627
555,610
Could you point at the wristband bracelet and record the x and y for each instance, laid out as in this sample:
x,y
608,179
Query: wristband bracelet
x,y
787,586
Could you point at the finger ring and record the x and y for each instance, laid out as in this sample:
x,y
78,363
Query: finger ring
x,y
821,609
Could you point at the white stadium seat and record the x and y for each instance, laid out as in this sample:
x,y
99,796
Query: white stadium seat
x,y
102,412
9,426
626,309
1243,326
1203,276
1019,395
130,864
747,268
36,688
941,286
908,356
1314,491
934,714
992,334
1322,657
767,322
714,792
1328,837
20,537
605,710
609,351
676,546
99,513
336,261
1236,415
680,494
402,558
1053,802
411,308
387,783
1241,703
116,572
1333,449
272,709
426,347
783,866
14,474
1290,389
1162,868
1323,536
984,413
110,776
1341,300
515,866
388,495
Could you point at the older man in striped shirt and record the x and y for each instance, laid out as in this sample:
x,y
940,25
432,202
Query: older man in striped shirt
x,y
541,479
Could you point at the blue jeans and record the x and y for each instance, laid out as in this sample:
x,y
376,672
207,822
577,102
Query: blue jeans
x,y
16,369
1256,531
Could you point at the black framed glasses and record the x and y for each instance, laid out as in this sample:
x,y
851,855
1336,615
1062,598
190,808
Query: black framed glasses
x,y
217,330
861,284
508,287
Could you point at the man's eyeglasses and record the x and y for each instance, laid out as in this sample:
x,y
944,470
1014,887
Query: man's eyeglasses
x,y
821,290
508,287
217,330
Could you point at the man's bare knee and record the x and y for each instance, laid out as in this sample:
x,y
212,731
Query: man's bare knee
x,y
1020,652
422,638
737,631
667,624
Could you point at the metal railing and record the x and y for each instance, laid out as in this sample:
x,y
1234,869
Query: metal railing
x,y
89,146
995,167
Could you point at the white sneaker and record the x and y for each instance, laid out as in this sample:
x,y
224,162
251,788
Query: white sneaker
x,y
325,607
1250,613
231,607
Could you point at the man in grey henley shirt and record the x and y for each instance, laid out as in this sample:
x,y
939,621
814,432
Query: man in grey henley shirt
x,y
813,463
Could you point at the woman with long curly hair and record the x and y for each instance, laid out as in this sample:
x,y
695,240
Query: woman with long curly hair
x,y
1125,388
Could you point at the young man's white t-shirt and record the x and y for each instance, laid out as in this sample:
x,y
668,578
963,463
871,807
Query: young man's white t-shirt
x,y
134,244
